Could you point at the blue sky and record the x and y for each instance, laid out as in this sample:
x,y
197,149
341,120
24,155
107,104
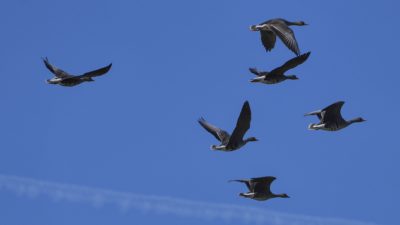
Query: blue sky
x,y
135,130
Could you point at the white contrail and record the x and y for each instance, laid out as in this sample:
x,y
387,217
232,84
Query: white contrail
x,y
166,205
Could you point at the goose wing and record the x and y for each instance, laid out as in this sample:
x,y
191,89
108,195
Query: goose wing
x,y
96,73
247,182
56,71
316,113
262,184
268,39
292,63
242,125
218,133
286,35
332,112
256,72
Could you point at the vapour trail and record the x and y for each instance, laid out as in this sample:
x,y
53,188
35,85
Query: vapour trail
x,y
166,205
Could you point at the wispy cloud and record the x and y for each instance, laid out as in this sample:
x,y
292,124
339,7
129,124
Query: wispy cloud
x,y
174,206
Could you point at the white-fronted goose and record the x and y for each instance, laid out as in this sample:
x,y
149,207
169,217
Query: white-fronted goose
x,y
65,79
234,141
270,28
277,75
331,118
260,188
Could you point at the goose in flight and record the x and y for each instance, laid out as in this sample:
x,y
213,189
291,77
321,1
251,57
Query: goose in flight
x,y
260,188
277,75
65,79
331,118
234,141
271,28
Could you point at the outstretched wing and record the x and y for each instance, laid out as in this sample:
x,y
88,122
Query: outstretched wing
x,y
262,184
255,71
218,133
332,112
268,39
242,125
97,72
286,35
56,71
292,63
247,182
316,113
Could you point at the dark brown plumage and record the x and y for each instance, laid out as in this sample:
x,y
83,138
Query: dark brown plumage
x,y
65,79
234,141
260,188
278,27
331,118
277,75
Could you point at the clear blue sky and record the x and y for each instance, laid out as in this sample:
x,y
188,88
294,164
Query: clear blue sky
x,y
135,129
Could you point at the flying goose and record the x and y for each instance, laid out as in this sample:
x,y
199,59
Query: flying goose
x,y
277,75
65,79
270,28
260,188
331,119
234,141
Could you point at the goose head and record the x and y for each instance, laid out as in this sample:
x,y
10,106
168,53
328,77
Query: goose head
x,y
250,139
296,23
357,120
283,196
301,23
292,77
87,79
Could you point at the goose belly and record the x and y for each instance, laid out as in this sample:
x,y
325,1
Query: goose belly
x,y
273,80
235,146
70,83
334,127
261,197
